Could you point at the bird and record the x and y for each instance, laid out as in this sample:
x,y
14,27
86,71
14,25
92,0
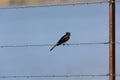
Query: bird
x,y
62,40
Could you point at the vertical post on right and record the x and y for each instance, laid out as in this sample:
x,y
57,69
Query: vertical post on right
x,y
112,71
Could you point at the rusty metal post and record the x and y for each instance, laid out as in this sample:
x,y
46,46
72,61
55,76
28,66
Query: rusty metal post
x,y
112,64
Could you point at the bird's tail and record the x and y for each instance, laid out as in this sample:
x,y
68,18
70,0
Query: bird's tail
x,y
53,47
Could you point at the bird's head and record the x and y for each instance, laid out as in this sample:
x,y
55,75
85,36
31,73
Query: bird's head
x,y
67,33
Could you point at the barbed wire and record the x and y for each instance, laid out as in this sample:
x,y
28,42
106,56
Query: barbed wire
x,y
50,5
38,45
70,44
49,76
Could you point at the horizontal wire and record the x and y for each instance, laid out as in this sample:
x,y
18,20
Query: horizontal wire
x,y
50,5
38,45
48,76
71,44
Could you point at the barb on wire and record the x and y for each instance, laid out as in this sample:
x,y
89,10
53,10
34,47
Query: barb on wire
x,y
38,45
51,5
118,42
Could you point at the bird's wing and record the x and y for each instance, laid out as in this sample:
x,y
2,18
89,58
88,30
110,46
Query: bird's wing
x,y
63,39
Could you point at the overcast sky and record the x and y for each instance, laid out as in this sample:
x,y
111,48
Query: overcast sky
x,y
45,25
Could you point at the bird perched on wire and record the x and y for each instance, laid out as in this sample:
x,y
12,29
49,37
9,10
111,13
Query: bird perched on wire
x,y
62,40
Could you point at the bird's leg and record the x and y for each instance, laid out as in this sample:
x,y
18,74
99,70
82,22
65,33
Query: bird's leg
x,y
65,44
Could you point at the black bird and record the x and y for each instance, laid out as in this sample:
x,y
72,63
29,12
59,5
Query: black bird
x,y
62,40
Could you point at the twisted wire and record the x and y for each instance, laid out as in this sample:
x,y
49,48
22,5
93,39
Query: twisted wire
x,y
52,5
40,45
48,76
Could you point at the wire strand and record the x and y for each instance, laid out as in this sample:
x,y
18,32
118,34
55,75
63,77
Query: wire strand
x,y
39,45
48,76
71,44
51,5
